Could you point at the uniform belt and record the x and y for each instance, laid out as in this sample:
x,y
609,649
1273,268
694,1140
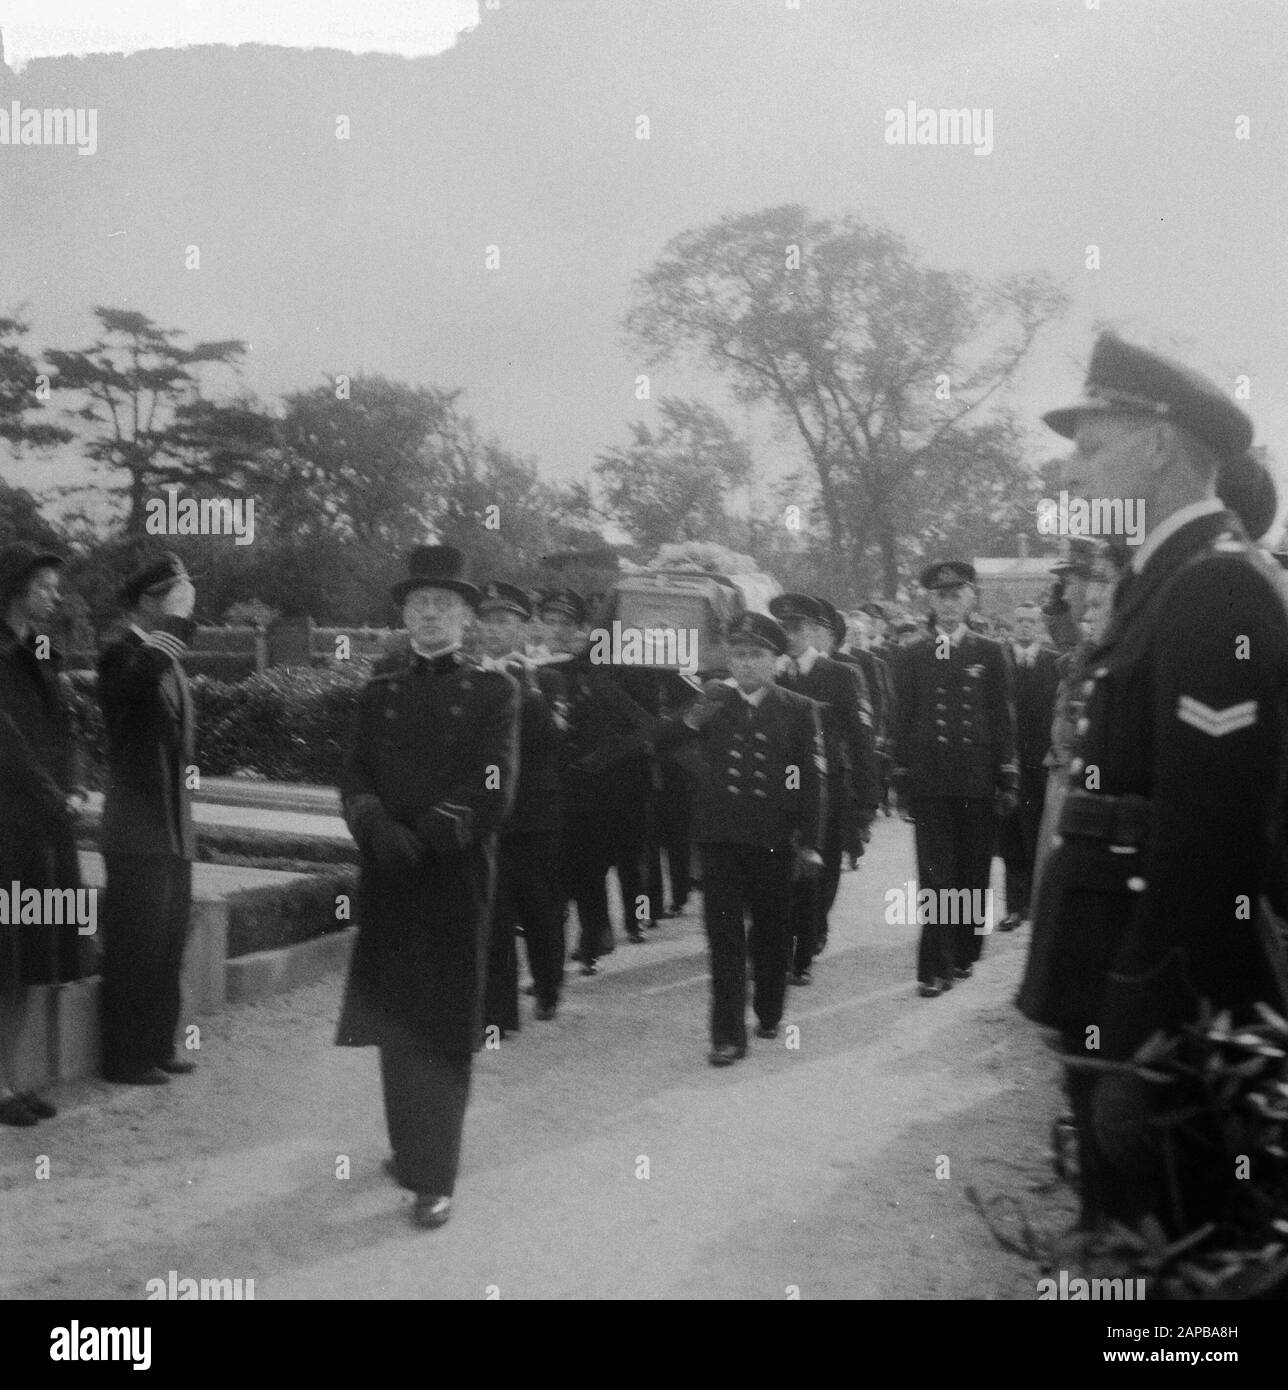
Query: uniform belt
x,y
1117,820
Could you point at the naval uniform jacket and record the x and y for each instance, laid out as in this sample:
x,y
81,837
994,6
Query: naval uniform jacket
x,y
1035,691
760,772
436,741
954,718
1186,707
849,739
147,711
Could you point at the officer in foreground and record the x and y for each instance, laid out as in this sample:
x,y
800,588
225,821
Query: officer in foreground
x,y
1170,835
758,820
429,777
955,769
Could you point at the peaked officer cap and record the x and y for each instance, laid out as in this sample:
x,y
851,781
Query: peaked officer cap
x,y
832,617
947,574
787,606
154,575
1245,486
566,601
504,598
1124,377
761,629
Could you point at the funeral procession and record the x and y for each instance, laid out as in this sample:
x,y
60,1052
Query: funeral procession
x,y
624,676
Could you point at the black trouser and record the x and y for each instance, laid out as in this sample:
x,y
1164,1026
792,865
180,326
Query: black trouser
x,y
812,898
737,878
954,838
1017,840
146,911
529,894
589,848
630,855
425,1100
674,818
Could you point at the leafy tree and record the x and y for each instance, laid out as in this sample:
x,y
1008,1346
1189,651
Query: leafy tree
x,y
140,405
875,361
670,482
20,392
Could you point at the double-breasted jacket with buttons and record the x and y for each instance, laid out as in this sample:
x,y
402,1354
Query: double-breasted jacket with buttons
x,y
954,718
759,772
433,739
849,735
1187,710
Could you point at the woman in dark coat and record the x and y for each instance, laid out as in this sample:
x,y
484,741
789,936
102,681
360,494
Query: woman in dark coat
x,y
37,791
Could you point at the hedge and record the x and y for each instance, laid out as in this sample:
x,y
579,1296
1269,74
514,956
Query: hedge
x,y
287,725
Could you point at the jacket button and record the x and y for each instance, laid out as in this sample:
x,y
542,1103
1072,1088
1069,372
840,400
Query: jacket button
x,y
1100,672
733,791
456,709
1082,725
391,714
1088,687
1076,765
1137,885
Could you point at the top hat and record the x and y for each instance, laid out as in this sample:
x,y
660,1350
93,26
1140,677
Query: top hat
x,y
18,562
947,574
435,567
1122,377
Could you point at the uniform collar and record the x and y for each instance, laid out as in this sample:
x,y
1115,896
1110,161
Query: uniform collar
x,y
955,636
754,698
445,659
1170,526
805,662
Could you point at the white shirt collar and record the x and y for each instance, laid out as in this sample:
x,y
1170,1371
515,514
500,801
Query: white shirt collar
x,y
806,660
434,655
1170,526
754,698
956,635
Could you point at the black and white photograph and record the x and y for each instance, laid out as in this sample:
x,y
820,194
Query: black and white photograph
x,y
644,657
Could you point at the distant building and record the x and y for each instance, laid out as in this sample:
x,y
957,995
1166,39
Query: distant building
x,y
1007,580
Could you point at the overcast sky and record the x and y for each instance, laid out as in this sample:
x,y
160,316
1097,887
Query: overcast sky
x,y
1113,125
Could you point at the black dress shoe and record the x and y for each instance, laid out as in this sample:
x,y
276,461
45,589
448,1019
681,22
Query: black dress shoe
x,y
635,935
763,1032
589,968
799,977
545,1012
963,972
431,1210
725,1054
528,989
149,1076
1009,922
177,1066
15,1111
41,1109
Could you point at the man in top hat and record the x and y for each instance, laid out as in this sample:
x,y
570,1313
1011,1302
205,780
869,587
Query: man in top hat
x,y
1035,677
146,836
759,781
955,769
877,680
38,799
1168,869
529,890
850,745
428,779
605,778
